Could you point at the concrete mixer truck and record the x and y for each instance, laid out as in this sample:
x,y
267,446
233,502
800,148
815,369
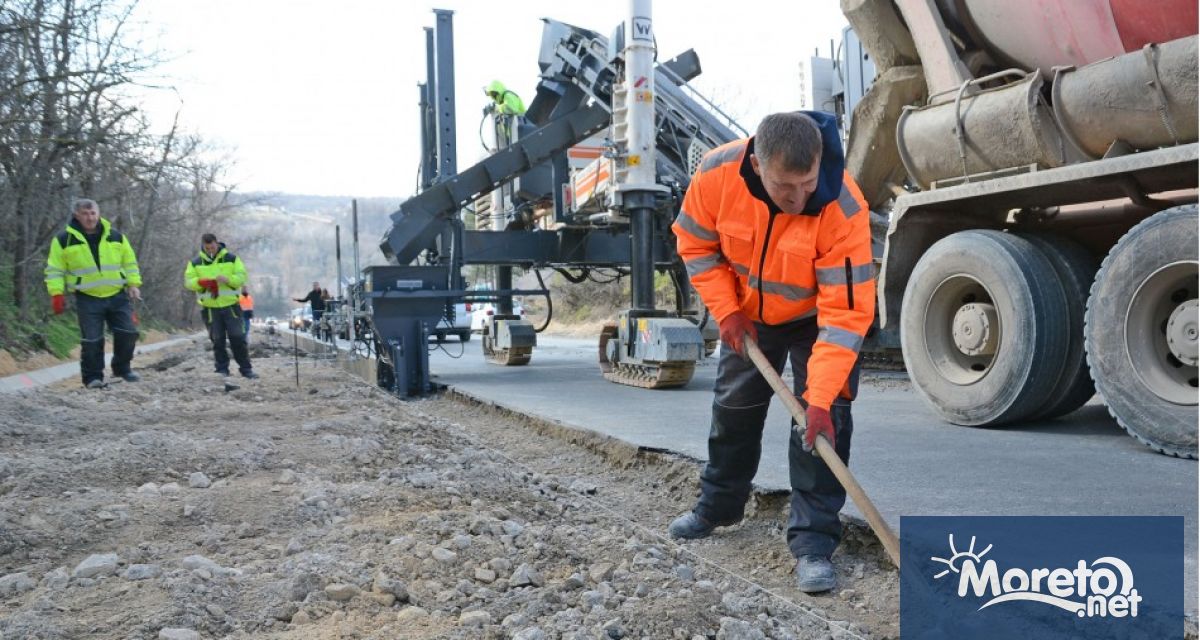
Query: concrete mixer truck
x,y
1037,164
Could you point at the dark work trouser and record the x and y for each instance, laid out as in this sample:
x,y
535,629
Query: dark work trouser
x,y
741,399
226,323
92,313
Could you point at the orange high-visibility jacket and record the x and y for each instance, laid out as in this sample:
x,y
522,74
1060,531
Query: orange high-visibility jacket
x,y
743,254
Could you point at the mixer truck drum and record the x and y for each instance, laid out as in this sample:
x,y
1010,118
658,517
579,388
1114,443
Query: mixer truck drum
x,y
1003,128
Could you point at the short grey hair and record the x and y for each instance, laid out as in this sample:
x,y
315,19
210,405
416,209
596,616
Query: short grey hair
x,y
789,140
84,203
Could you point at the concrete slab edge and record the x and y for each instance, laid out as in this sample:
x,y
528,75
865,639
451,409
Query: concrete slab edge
x,y
762,498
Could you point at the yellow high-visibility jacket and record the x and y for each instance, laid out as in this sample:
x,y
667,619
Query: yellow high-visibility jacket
x,y
507,102
223,263
72,267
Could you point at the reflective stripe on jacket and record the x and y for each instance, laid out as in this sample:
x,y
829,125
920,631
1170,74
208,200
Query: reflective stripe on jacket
x,y
782,267
223,263
72,267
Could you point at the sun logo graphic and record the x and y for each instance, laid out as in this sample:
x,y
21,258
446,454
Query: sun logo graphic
x,y
1103,588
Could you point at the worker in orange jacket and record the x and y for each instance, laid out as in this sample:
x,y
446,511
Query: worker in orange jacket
x,y
776,240
246,302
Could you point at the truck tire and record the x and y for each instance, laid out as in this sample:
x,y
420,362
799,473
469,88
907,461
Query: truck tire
x,y
983,327
1141,330
464,336
1076,269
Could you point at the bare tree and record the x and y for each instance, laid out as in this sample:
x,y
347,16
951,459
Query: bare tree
x,y
69,128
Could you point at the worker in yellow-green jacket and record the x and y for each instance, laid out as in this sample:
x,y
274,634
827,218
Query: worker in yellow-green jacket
x,y
96,263
217,276
506,102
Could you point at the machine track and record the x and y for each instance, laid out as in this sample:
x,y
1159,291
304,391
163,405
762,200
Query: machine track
x,y
882,361
665,376
510,357
505,357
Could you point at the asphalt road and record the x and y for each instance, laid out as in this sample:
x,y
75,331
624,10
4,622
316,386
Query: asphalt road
x,y
909,462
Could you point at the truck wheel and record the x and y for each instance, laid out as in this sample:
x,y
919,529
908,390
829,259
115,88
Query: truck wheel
x,y
1141,331
464,336
984,328
1076,269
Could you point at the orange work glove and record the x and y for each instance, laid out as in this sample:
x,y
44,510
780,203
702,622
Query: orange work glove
x,y
819,423
734,328
59,302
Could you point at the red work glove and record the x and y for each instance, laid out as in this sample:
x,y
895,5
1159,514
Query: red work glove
x,y
212,286
819,423
59,303
734,328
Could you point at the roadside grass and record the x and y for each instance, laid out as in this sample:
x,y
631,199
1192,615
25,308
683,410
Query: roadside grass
x,y
39,330
36,330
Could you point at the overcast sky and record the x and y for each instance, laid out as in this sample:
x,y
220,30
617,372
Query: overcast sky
x,y
319,97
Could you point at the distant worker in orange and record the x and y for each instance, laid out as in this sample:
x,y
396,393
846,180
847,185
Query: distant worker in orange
x,y
246,301
775,238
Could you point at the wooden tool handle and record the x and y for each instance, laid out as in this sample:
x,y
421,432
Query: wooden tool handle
x,y
824,449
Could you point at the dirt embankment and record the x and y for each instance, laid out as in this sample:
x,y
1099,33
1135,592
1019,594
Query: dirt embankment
x,y
170,508
10,365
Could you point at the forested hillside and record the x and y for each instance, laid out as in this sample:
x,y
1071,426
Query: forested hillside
x,y
72,125
289,241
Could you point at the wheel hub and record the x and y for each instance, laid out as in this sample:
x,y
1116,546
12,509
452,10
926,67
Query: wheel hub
x,y
972,327
1161,332
1182,331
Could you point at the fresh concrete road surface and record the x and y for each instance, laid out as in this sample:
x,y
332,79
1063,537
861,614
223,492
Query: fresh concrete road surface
x,y
909,462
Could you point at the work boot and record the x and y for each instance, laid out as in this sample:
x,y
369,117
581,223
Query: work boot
x,y
690,526
814,574
130,377
96,384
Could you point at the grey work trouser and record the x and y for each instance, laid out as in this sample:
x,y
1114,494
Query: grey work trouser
x,y
742,397
93,313
226,323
